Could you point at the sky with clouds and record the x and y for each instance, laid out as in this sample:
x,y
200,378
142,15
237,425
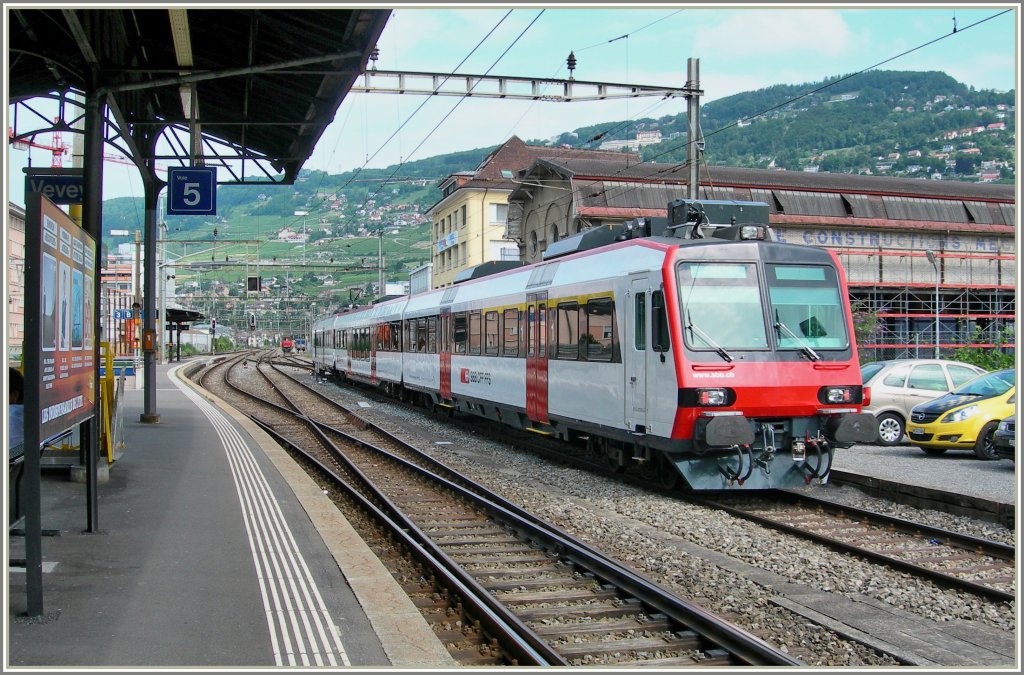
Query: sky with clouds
x,y
739,49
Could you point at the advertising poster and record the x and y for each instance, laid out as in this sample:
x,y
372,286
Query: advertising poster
x,y
64,303
67,259
48,327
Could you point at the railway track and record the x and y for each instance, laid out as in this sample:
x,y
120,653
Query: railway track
x,y
948,558
501,586
945,557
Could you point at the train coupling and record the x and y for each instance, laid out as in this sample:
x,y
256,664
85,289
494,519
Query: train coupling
x,y
798,449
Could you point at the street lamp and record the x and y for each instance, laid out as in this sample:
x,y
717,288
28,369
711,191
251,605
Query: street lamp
x,y
935,263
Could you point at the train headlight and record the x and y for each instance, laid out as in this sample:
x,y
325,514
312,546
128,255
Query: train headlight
x,y
712,397
751,232
834,395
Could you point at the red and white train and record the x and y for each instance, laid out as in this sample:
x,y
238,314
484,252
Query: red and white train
x,y
713,355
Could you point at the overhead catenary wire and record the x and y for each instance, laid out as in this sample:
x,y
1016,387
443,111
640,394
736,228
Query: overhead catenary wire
x,y
672,168
462,99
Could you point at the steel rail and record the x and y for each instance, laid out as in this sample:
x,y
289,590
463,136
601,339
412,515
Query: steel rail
x,y
521,644
745,646
493,616
873,556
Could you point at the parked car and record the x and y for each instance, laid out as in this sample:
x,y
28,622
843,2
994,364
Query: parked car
x,y
1005,439
898,385
967,417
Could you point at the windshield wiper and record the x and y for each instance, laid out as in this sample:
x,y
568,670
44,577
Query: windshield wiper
x,y
704,336
811,354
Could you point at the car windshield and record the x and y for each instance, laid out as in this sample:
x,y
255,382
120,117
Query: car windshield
x,y
992,384
869,370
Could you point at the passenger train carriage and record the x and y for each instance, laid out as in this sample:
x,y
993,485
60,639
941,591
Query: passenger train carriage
x,y
713,355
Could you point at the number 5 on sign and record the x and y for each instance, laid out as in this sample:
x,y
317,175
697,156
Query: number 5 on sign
x,y
192,191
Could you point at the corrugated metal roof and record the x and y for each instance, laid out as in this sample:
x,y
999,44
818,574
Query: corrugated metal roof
x,y
268,80
623,184
786,180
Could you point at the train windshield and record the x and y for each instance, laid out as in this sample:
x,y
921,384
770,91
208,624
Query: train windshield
x,y
721,307
806,307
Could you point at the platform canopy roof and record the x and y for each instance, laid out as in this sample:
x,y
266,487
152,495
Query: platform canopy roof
x,y
260,84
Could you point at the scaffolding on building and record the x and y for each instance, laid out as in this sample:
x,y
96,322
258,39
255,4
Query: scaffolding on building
x,y
971,303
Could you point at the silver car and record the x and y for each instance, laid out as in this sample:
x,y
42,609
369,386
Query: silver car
x,y
897,386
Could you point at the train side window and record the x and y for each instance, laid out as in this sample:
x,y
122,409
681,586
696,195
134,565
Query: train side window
x,y
599,338
659,322
567,331
511,334
640,322
474,333
421,335
491,333
432,335
542,316
529,331
461,333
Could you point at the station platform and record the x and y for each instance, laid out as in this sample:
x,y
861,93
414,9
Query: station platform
x,y
213,550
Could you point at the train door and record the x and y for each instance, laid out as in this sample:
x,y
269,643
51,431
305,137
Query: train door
x,y
445,348
635,353
536,357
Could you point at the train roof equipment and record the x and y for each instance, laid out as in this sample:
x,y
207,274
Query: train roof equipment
x,y
486,269
686,219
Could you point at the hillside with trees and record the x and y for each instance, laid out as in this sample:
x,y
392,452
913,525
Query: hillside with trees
x,y
912,124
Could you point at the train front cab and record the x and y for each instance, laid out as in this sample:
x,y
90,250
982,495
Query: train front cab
x,y
768,377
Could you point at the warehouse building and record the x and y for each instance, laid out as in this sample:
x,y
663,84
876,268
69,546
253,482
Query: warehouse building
x,y
920,255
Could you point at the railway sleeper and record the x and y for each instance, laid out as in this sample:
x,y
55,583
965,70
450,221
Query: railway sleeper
x,y
569,630
593,611
511,547
476,559
474,541
631,646
547,582
561,595
530,571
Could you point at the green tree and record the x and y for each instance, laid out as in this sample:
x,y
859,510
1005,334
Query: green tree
x,y
989,358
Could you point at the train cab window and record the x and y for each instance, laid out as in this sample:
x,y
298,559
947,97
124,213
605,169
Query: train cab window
x,y
474,333
659,322
460,334
510,346
640,322
597,338
721,306
807,307
491,333
567,331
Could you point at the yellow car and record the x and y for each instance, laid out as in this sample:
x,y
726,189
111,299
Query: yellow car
x,y
967,417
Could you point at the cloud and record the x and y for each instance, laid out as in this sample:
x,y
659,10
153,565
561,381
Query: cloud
x,y
775,33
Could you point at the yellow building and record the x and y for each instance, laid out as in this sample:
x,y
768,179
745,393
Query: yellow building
x,y
469,220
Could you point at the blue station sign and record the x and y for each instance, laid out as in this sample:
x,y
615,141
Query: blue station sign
x,y
66,187
192,191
